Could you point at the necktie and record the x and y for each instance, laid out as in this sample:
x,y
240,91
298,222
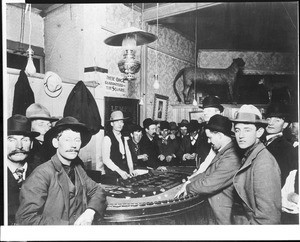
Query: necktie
x,y
19,172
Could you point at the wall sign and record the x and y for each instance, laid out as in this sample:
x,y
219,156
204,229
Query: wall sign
x,y
115,86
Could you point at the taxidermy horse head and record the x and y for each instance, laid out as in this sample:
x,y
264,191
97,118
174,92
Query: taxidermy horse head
x,y
208,76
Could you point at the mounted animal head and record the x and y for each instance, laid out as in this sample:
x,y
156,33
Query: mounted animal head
x,y
239,62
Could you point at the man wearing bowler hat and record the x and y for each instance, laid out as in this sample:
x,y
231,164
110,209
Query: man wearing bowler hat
x,y
41,122
216,181
59,192
211,106
257,182
283,151
19,144
115,151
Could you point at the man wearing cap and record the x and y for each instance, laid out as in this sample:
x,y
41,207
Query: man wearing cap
x,y
115,152
167,147
183,128
40,122
276,143
59,192
134,146
257,182
216,181
19,144
189,147
149,144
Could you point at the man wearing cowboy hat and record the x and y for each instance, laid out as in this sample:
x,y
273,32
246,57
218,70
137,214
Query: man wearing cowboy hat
x,y
59,192
19,144
115,151
216,181
41,121
257,182
276,143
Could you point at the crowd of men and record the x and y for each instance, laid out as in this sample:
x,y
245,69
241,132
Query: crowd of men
x,y
246,165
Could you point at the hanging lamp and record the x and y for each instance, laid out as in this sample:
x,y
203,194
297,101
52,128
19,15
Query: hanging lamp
x,y
30,68
195,103
129,39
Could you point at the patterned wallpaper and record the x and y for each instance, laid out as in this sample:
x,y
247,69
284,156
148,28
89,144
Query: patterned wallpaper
x,y
256,62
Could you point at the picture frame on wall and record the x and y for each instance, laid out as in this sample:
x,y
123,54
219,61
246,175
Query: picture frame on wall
x,y
160,107
197,115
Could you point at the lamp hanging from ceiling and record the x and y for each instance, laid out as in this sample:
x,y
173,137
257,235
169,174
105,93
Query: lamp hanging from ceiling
x,y
156,83
195,90
30,68
129,39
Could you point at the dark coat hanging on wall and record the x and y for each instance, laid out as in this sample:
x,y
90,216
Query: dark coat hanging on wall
x,y
23,95
82,106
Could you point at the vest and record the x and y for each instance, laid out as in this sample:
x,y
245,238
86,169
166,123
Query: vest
x,y
115,154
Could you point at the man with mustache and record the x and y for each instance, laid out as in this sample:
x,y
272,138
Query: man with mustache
x,y
19,144
257,183
59,192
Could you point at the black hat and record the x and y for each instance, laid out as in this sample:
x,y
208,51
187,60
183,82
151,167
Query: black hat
x,y
66,123
147,122
212,102
134,128
164,125
221,124
20,125
193,126
278,110
173,126
183,123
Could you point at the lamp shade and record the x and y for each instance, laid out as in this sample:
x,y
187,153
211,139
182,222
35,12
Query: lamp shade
x,y
142,37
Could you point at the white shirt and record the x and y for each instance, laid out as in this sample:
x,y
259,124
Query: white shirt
x,y
13,166
193,139
106,145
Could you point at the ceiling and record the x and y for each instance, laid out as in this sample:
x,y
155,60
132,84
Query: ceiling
x,y
243,26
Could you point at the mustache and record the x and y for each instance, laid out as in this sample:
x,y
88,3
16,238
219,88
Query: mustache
x,y
19,151
72,150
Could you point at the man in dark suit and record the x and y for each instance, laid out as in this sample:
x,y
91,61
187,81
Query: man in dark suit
x,y
216,181
276,143
149,143
19,144
189,147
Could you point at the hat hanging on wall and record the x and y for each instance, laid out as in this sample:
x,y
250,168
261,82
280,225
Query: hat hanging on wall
x,y
52,84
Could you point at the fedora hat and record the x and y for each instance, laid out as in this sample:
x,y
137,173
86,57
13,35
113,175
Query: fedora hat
x,y
38,111
116,115
20,125
193,126
147,122
66,123
164,125
212,102
173,126
221,124
249,114
278,110
52,84
183,123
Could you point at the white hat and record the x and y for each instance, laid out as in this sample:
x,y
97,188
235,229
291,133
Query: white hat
x,y
249,114
52,84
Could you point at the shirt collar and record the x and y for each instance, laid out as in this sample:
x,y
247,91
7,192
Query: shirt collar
x,y
274,135
13,166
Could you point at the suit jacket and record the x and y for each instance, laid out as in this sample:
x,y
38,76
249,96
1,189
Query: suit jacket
x,y
44,196
258,185
170,148
151,149
216,182
13,193
186,147
285,156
